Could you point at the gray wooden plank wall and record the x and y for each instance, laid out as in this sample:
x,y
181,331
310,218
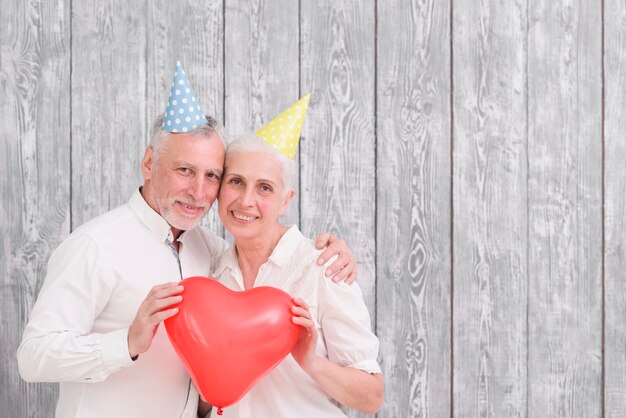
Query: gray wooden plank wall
x,y
35,170
490,337
565,209
471,152
614,204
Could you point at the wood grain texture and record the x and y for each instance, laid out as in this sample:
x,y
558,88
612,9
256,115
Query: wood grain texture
x,y
34,177
413,245
490,218
108,104
191,32
81,88
615,208
337,150
564,209
262,69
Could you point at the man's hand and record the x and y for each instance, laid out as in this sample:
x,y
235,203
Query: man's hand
x,y
150,314
344,267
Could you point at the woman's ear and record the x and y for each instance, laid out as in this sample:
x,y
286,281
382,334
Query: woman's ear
x,y
283,207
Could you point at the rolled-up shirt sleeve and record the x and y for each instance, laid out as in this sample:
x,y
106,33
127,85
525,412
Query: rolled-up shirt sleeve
x,y
345,321
58,344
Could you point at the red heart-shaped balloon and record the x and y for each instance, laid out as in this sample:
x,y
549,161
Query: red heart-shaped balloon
x,y
228,340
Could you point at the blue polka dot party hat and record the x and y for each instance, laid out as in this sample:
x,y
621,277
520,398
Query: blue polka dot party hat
x,y
183,112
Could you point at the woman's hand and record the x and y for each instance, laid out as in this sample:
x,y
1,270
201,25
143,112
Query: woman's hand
x,y
351,387
304,350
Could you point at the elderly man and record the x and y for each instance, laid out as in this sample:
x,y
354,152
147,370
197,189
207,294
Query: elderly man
x,y
93,329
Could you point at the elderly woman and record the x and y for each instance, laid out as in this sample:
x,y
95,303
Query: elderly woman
x,y
334,361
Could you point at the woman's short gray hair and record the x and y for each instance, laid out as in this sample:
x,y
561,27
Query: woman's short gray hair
x,y
252,143
159,135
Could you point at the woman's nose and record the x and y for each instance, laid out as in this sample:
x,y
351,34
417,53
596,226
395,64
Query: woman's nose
x,y
247,199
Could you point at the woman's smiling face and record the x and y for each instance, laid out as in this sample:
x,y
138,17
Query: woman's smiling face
x,y
252,195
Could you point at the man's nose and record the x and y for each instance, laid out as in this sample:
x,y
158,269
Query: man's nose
x,y
196,188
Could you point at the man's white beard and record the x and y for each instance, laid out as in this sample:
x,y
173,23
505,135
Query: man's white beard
x,y
177,221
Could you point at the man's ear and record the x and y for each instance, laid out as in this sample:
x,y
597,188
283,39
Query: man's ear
x,y
283,207
147,163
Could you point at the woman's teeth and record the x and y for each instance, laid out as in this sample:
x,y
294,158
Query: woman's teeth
x,y
242,217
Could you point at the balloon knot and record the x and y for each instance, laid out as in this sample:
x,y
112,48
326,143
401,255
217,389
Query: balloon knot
x,y
220,411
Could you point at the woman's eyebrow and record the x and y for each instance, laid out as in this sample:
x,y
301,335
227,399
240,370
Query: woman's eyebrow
x,y
266,181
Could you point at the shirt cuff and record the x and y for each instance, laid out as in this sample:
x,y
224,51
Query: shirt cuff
x,y
368,366
114,350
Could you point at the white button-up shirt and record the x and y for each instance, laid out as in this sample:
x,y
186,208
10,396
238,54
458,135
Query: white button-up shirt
x,y
343,325
77,331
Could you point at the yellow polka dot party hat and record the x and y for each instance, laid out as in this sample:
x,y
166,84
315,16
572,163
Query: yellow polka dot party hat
x,y
283,132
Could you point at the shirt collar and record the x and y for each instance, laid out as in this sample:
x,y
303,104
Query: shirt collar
x,y
281,255
228,260
149,218
286,247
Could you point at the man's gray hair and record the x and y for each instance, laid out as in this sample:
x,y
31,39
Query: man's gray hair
x,y
252,143
159,135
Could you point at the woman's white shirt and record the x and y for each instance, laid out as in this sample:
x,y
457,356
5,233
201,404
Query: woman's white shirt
x,y
341,317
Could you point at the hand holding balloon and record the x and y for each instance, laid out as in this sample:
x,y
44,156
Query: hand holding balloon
x,y
304,350
156,307
229,340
